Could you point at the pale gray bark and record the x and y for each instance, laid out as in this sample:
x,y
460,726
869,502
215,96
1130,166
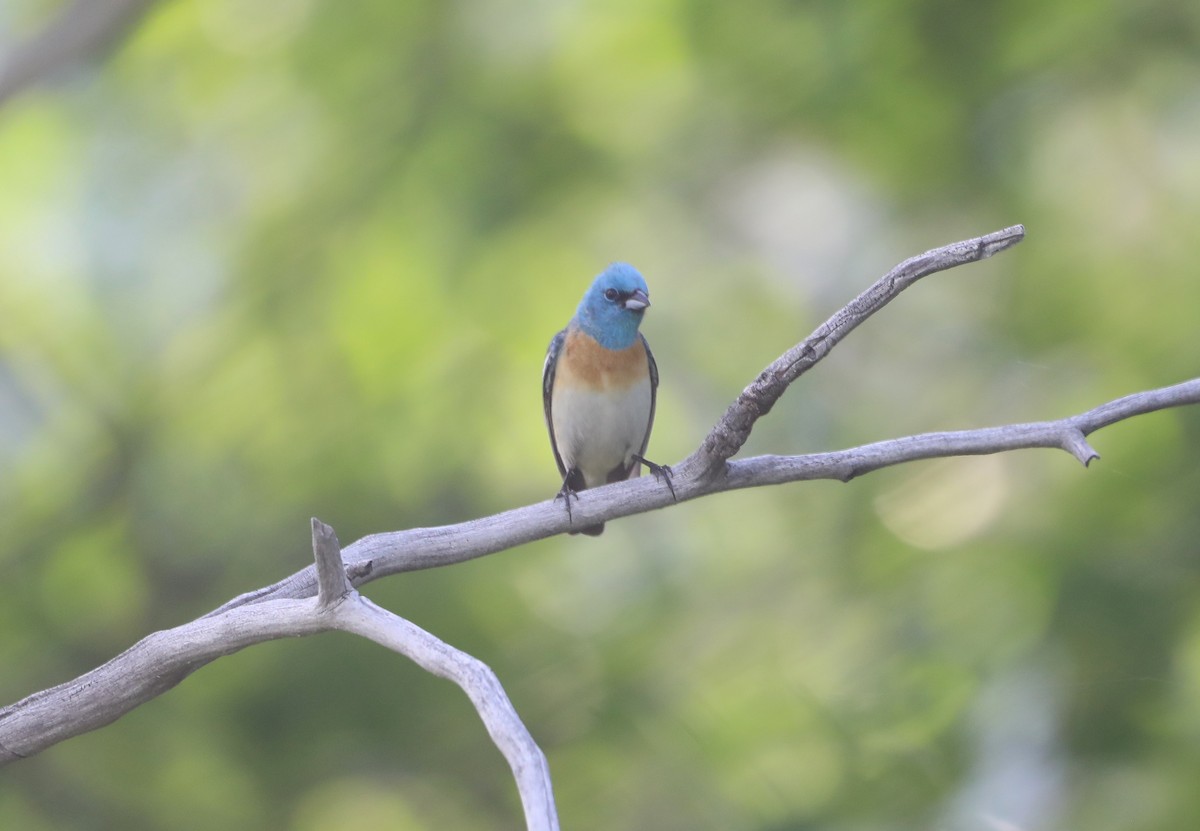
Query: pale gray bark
x,y
322,597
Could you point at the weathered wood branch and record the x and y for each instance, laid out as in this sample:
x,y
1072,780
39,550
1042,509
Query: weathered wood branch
x,y
508,732
322,596
731,432
393,552
345,609
160,661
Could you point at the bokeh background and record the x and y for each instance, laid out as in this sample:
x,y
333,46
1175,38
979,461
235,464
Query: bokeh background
x,y
264,261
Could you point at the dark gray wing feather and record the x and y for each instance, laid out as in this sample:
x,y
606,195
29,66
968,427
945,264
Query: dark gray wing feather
x,y
548,391
653,400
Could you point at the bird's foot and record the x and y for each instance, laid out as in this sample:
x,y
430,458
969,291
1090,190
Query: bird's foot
x,y
566,493
661,472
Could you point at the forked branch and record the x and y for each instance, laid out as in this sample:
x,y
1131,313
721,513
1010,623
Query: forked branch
x,y
162,660
731,432
322,597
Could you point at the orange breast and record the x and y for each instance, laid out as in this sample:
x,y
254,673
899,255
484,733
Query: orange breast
x,y
586,363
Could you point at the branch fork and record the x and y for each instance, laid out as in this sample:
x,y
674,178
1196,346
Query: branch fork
x,y
345,609
323,596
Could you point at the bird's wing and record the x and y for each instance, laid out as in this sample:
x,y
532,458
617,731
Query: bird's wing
x,y
548,392
653,396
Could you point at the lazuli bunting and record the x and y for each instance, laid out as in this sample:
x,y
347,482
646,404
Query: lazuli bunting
x,y
599,387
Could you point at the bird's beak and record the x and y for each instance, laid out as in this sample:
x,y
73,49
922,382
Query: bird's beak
x,y
637,301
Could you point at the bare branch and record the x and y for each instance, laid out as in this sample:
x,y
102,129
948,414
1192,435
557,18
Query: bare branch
x,y
1077,445
731,432
332,584
1067,434
149,668
287,608
158,662
83,29
477,680
394,552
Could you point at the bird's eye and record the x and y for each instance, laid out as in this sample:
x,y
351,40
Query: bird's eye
x,y
610,294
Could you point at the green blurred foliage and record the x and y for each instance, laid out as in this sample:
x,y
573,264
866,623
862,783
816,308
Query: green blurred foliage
x,y
299,257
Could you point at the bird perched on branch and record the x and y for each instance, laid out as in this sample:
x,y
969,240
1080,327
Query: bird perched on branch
x,y
599,387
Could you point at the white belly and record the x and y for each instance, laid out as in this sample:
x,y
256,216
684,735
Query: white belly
x,y
597,432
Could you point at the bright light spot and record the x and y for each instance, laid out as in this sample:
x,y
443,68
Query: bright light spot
x,y
946,502
803,213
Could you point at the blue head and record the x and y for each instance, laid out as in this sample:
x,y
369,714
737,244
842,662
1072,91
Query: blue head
x,y
612,308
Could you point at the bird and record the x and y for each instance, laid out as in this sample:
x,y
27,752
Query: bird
x,y
600,387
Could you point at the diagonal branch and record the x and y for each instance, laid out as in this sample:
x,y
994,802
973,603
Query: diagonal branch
x,y
360,616
699,475
163,659
731,432
83,29
158,662
393,552
481,685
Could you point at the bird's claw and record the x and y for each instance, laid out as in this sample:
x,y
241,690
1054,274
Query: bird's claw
x,y
565,494
662,473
